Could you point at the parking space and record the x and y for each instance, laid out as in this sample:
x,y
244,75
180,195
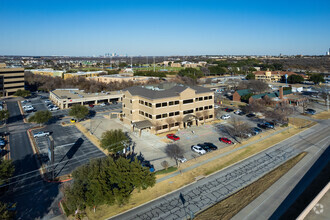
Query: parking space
x,y
71,148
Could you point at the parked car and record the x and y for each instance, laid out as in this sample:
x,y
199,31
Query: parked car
x,y
181,159
198,149
228,110
2,142
54,108
173,137
237,112
25,101
225,140
205,147
310,111
216,106
102,104
241,113
250,115
72,120
41,134
269,124
256,130
48,101
262,126
115,102
91,105
27,106
211,146
225,117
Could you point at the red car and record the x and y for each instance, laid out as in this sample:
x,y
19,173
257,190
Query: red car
x,y
91,105
225,140
228,110
173,137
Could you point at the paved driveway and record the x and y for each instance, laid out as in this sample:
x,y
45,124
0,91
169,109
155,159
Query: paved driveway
x,y
72,149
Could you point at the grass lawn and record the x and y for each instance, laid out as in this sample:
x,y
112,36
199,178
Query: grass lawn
x,y
169,170
230,206
322,115
176,182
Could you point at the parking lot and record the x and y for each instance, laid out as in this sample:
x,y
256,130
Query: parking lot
x,y
39,104
71,148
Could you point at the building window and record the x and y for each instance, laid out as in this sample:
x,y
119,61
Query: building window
x,y
176,124
158,105
130,111
150,116
123,96
200,108
171,114
164,126
149,104
130,100
206,98
200,98
171,103
206,107
188,111
210,107
124,105
210,97
196,109
176,102
177,113
196,99
210,116
188,101
164,115
142,102
164,104
158,116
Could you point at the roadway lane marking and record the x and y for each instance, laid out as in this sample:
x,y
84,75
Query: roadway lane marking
x,y
64,145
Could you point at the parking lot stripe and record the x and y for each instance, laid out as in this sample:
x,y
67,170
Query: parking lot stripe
x,y
64,145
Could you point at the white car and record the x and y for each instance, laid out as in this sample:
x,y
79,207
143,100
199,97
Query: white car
x,y
216,106
54,108
102,104
27,106
48,101
237,112
225,117
41,134
198,149
181,159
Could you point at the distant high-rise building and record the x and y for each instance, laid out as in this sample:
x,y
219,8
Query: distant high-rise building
x,y
328,53
11,79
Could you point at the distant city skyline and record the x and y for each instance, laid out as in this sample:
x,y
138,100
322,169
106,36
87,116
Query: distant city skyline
x,y
164,28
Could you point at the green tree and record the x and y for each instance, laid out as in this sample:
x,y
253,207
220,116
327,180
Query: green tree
x,y
79,111
217,70
6,170
114,140
250,76
41,117
106,181
5,214
4,115
22,93
295,79
317,78
191,73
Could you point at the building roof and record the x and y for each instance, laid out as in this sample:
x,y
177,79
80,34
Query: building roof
x,y
163,90
243,92
272,94
142,124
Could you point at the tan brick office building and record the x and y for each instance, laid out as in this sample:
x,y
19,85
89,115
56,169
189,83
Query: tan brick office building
x,y
166,107
11,79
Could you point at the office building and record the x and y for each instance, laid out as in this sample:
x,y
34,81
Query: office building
x,y
167,106
11,79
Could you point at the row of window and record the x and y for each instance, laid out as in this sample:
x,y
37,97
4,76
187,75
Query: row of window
x,y
201,98
165,115
205,108
144,103
160,127
170,103
145,114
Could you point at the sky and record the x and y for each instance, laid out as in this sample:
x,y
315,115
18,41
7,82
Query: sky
x,y
164,28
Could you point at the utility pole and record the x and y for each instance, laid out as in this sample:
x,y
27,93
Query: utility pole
x,y
51,155
154,65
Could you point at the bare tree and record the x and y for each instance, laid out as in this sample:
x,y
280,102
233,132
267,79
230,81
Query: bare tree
x,y
233,83
280,113
199,116
174,152
267,100
257,86
205,114
238,127
179,119
165,164
255,106
170,122
157,125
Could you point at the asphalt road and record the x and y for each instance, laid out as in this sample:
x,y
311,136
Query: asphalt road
x,y
35,198
208,191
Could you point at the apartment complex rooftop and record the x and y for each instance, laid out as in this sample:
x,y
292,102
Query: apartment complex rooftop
x,y
78,94
164,90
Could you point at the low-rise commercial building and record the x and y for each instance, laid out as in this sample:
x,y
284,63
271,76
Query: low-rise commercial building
x,y
65,98
47,72
167,106
274,76
84,74
11,79
121,78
